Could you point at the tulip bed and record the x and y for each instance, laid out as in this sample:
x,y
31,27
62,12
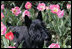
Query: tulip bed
x,y
56,15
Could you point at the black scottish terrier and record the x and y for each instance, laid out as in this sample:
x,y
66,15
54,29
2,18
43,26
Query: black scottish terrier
x,y
33,34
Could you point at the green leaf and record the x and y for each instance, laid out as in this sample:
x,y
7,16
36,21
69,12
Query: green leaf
x,y
20,46
6,42
22,5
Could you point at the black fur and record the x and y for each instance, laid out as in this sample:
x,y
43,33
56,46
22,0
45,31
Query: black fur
x,y
34,33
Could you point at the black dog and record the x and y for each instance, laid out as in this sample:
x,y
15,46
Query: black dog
x,y
33,34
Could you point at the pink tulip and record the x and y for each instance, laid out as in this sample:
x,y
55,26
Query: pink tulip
x,y
2,16
26,12
68,6
3,29
60,14
54,8
2,7
16,11
11,47
41,7
54,45
28,5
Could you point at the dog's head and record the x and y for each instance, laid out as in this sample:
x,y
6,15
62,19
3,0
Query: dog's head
x,y
37,30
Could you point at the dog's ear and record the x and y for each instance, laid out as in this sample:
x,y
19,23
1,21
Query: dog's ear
x,y
39,16
27,21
